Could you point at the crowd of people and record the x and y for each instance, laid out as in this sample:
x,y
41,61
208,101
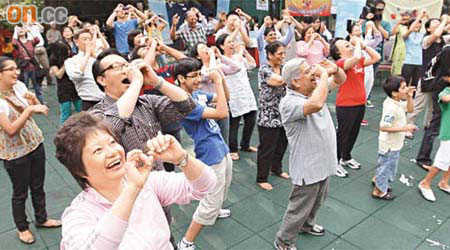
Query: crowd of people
x,y
133,95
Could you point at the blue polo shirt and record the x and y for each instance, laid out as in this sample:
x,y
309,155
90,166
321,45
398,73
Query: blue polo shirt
x,y
121,30
210,147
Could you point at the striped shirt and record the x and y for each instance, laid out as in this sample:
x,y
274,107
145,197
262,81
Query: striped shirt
x,y
151,112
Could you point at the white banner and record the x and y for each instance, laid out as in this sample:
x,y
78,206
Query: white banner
x,y
262,5
395,7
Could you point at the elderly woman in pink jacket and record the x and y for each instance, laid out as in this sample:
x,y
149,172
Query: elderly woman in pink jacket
x,y
120,206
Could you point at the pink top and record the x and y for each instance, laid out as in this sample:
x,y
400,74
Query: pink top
x,y
88,223
313,54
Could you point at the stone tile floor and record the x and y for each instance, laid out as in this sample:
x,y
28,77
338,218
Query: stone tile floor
x,y
352,218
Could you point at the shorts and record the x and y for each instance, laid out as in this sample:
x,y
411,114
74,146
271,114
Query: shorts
x,y
442,158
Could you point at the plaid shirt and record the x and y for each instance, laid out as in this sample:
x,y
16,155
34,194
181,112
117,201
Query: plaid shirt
x,y
151,112
192,37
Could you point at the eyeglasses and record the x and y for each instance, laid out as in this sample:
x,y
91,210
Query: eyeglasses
x,y
195,75
380,9
11,69
115,67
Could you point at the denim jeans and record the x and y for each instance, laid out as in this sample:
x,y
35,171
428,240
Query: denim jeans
x,y
66,109
27,75
387,169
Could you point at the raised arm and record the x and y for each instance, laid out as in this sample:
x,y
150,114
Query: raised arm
x,y
141,16
169,50
319,96
112,17
173,28
374,57
357,55
437,33
221,110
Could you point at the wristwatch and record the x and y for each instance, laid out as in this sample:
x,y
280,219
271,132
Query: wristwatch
x,y
183,162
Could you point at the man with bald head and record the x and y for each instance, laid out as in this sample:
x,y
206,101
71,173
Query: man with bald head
x,y
192,31
312,140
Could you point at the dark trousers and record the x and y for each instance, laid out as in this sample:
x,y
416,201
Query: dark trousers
x,y
86,105
249,125
349,121
431,132
412,74
272,145
31,75
304,203
169,167
28,172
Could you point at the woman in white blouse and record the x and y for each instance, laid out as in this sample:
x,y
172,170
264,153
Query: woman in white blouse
x,y
242,101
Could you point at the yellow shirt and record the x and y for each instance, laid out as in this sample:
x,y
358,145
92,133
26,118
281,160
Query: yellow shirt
x,y
394,115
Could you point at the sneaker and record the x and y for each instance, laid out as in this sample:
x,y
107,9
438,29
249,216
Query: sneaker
x,y
341,172
182,245
316,230
364,123
369,104
224,213
352,163
280,247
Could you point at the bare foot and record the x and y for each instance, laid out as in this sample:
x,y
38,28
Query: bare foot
x,y
265,186
252,149
234,156
26,237
50,223
284,175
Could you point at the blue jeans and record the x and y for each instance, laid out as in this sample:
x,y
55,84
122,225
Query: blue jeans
x,y
27,75
387,169
66,109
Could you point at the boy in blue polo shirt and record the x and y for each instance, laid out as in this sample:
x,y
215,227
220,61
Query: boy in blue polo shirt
x,y
210,146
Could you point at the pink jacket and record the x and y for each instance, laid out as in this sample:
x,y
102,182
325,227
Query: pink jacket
x,y
88,224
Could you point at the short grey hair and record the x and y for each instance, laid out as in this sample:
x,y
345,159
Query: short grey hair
x,y
291,70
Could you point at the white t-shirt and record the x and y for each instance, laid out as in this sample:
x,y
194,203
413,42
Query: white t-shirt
x,y
19,89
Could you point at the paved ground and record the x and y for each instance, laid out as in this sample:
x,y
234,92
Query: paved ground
x,y
353,219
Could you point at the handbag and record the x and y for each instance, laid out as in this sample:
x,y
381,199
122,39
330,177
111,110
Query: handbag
x,y
40,71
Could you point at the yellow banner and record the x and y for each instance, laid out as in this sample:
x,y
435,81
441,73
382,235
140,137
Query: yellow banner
x,y
309,7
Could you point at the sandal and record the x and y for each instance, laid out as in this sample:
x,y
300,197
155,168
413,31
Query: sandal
x,y
26,237
250,149
50,223
389,188
234,156
386,196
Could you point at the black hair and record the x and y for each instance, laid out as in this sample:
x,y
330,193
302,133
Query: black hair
x,y
268,30
194,50
131,37
380,1
305,30
272,47
58,53
232,13
96,69
81,31
186,65
307,19
3,60
428,23
134,53
334,51
220,41
392,84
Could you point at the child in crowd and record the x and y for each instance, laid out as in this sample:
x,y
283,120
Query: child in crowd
x,y
442,158
393,126
210,146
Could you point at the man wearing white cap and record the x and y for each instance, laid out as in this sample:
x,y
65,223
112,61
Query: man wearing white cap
x,y
312,140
